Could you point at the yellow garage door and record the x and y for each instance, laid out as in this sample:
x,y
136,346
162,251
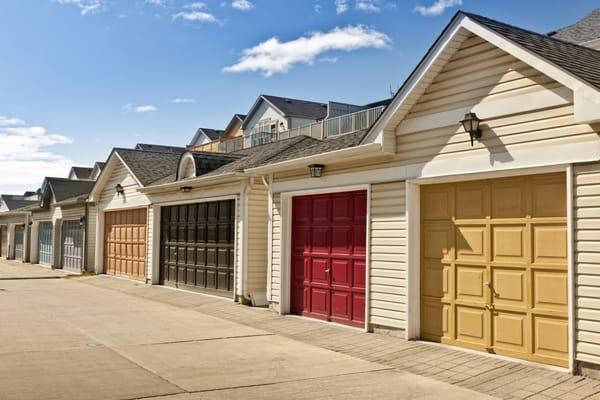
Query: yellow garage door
x,y
494,266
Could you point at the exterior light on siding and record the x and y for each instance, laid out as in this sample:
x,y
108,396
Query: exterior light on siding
x,y
471,125
23,225
30,223
316,170
186,189
82,221
119,189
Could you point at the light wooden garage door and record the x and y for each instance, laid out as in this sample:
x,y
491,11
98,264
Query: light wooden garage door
x,y
125,243
494,266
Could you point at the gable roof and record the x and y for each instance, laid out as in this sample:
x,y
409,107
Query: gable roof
x,y
237,118
66,189
81,172
211,134
14,202
574,66
159,148
584,30
290,107
582,62
148,166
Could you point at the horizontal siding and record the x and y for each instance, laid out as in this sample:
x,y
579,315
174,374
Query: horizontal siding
x,y
276,250
108,198
480,73
90,261
11,219
388,264
587,261
72,213
257,219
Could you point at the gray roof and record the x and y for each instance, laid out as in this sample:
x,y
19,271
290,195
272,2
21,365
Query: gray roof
x,y
65,189
15,202
580,61
210,161
82,172
584,30
149,166
298,108
212,134
159,148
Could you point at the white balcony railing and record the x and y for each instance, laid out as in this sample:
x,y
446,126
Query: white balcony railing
x,y
330,127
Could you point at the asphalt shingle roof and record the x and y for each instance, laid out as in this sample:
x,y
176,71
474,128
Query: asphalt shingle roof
x,y
149,166
298,108
584,30
159,148
580,61
15,202
82,172
65,189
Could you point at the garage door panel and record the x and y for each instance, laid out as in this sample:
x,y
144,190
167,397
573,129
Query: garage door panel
x,y
549,244
72,246
509,243
328,246
511,331
505,243
472,201
125,243
550,290
471,243
45,243
509,287
202,235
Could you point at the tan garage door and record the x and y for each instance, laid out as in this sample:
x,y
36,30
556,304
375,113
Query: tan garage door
x,y
494,266
125,243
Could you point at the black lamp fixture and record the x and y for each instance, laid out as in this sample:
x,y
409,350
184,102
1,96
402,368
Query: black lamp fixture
x,y
30,223
119,189
316,170
23,225
471,125
186,189
82,221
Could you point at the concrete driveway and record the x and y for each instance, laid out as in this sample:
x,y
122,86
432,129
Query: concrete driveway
x,y
66,339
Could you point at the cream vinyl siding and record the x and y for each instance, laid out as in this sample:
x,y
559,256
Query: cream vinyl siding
x,y
480,74
108,199
276,250
257,219
239,239
149,244
90,238
587,261
72,213
388,263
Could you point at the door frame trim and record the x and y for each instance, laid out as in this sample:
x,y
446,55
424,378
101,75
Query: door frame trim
x,y
155,239
286,236
413,210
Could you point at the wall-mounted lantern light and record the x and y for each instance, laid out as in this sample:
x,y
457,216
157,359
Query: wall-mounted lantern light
x,y
23,225
186,189
316,170
471,125
119,189
82,221
30,223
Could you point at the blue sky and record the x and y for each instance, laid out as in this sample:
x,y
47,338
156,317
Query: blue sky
x,y
79,77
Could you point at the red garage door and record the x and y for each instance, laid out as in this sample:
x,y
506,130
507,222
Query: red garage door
x,y
328,257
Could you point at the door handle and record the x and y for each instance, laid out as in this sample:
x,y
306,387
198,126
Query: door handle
x,y
489,307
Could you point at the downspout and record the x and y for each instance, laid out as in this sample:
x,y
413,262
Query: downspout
x,y
247,188
268,183
84,266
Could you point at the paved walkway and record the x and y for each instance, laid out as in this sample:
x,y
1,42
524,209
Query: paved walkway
x,y
100,338
481,373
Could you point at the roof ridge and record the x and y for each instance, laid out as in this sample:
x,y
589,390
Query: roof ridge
x,y
149,151
468,14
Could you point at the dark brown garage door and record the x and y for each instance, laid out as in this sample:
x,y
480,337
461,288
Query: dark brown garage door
x,y
125,243
197,246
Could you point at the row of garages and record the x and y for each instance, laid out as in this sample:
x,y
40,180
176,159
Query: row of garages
x,y
492,245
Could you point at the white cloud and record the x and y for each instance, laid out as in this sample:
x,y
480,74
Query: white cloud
x,y
161,3
198,5
195,16
318,8
10,121
341,6
437,8
24,159
243,5
372,6
180,100
146,108
86,7
273,56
